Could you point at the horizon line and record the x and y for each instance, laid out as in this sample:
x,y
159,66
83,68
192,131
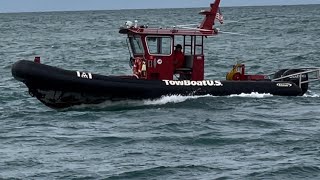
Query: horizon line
x,y
84,10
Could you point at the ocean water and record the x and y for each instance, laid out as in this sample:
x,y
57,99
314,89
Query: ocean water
x,y
247,136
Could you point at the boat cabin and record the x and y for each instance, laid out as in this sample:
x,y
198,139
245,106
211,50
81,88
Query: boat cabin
x,y
154,54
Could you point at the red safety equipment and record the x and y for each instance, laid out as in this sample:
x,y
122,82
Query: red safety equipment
x,y
137,66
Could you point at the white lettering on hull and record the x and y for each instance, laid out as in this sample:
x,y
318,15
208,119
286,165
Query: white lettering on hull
x,y
84,75
284,84
193,83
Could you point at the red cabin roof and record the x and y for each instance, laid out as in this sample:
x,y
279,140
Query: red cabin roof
x,y
172,31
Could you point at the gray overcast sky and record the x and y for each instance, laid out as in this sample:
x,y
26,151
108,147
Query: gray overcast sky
x,y
66,5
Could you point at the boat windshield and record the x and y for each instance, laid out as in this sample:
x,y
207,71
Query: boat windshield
x,y
136,45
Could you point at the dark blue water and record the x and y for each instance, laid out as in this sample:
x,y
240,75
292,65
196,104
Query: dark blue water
x,y
249,136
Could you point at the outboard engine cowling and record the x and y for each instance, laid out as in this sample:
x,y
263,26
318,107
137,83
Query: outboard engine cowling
x,y
295,78
279,73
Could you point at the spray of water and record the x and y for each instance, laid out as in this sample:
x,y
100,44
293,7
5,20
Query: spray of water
x,y
173,99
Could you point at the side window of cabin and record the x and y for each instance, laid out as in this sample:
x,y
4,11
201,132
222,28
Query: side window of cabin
x,y
159,45
198,45
178,40
152,45
188,45
193,45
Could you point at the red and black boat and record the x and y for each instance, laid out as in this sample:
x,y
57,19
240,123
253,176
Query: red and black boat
x,y
154,74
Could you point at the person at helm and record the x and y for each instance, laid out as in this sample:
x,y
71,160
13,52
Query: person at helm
x,y
178,60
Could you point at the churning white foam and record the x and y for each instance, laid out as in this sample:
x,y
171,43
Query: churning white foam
x,y
252,95
172,99
311,94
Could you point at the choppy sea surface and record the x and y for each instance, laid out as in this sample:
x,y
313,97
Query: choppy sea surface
x,y
248,136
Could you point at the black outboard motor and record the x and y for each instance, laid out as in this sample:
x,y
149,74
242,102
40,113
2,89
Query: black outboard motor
x,y
279,73
296,78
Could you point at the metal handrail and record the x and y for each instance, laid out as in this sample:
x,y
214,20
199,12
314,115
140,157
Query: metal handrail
x,y
311,70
